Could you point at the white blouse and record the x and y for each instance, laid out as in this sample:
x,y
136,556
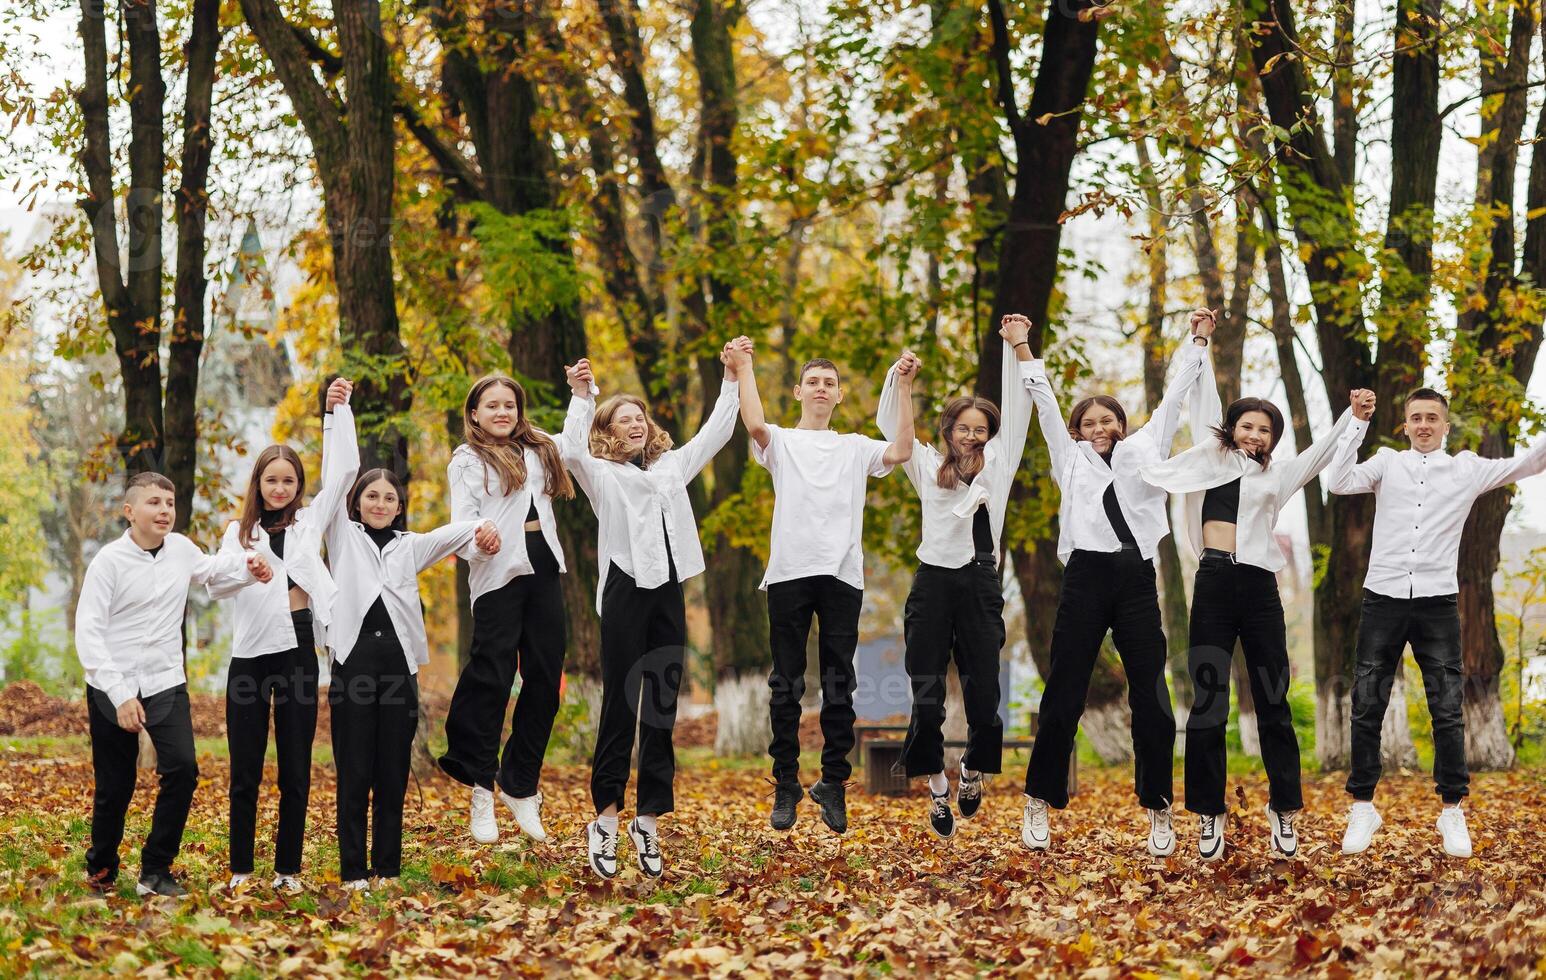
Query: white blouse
x,y
476,495
262,611
947,514
638,511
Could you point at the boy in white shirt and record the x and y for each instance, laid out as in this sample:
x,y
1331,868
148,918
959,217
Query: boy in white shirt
x,y
1423,496
815,568
128,635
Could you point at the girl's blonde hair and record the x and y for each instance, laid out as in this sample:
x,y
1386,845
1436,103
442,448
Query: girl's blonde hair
x,y
604,445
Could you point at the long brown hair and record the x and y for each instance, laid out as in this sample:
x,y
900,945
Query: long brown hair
x,y
506,456
252,504
1226,432
958,469
400,522
1083,406
604,445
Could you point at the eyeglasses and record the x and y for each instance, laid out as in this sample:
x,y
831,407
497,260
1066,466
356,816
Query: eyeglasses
x,y
980,431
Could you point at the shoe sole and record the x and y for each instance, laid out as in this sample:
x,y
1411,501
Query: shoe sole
x,y
1217,855
598,869
1164,853
484,839
940,835
143,892
638,851
1032,845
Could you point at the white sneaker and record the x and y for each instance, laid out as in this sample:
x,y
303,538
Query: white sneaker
x,y
484,829
1362,821
236,882
1162,833
289,884
527,811
1457,839
1210,836
1284,841
603,849
357,885
1035,831
646,845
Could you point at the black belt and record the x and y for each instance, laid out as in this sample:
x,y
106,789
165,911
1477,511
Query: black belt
x,y
985,558
1221,555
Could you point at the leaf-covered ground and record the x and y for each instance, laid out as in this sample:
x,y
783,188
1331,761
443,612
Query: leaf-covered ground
x,y
740,899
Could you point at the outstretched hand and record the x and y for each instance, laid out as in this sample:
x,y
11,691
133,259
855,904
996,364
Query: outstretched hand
x,y
580,377
1362,401
486,537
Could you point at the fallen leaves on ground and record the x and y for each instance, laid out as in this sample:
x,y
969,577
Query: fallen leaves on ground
x,y
740,899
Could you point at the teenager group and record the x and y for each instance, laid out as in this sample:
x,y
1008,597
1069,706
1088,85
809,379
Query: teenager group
x,y
342,574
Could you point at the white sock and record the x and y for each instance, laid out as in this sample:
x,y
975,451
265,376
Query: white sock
x,y
969,773
646,824
609,824
938,784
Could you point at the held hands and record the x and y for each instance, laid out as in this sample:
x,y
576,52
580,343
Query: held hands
x,y
907,367
1016,329
131,715
736,356
258,566
338,393
580,378
1203,323
487,537
1362,401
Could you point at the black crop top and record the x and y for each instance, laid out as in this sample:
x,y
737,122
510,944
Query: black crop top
x,y
1222,503
276,538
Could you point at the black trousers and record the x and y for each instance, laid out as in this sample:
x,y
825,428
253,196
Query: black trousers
x,y
643,646
375,703
1431,624
287,682
791,605
1233,602
954,613
1106,591
519,626
114,752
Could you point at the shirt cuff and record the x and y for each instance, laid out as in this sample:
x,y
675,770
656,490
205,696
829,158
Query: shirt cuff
x,y
121,693
1034,370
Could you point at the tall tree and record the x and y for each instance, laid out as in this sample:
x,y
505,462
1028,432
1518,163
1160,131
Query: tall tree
x,y
157,434
350,126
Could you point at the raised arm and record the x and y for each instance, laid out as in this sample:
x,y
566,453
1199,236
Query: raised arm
x,y
1060,444
1345,475
739,352
91,646
1016,366
1189,363
1295,473
1490,474
574,438
340,457
888,415
715,431
900,407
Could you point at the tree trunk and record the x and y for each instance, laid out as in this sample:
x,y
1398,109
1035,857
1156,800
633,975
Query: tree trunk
x,y
1396,748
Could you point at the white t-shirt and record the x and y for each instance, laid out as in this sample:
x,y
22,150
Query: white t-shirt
x,y
819,482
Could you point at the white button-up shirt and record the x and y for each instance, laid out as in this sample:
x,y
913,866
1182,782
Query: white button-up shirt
x,y
1263,492
129,623
947,514
476,495
639,510
261,612
1421,504
1082,476
819,482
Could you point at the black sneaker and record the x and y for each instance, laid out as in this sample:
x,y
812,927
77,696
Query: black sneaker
x,y
941,820
833,800
969,794
786,796
646,845
160,883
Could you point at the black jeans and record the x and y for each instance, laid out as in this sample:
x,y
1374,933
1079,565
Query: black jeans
x,y
114,752
790,608
1233,602
520,625
643,646
954,613
1431,624
375,703
288,681
1106,591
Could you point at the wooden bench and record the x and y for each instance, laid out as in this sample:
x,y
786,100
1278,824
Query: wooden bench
x,y
882,755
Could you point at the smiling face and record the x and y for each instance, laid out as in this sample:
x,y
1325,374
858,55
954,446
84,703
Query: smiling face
x,y
819,392
150,511
630,425
1253,433
1101,427
497,411
1427,423
379,504
970,432
278,484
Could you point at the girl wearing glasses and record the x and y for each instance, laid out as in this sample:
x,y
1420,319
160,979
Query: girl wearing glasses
x,y
956,606
1110,523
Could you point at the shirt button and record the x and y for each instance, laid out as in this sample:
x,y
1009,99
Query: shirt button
x,y
378,634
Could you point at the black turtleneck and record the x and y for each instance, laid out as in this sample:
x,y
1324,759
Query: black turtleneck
x,y
382,536
276,537
376,617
